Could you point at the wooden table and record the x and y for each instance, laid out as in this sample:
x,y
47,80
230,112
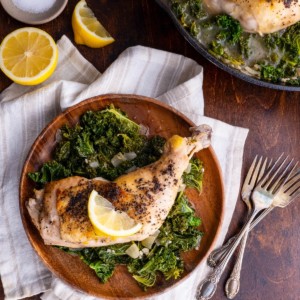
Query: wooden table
x,y
271,266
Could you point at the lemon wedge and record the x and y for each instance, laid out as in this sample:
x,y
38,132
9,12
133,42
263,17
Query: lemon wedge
x,y
28,56
87,29
109,221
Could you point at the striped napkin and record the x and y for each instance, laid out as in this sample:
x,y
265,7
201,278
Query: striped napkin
x,y
25,111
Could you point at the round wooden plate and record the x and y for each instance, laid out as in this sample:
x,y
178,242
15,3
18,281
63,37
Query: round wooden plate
x,y
163,120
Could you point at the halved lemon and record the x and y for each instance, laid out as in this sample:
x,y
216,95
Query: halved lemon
x,y
87,29
106,219
28,56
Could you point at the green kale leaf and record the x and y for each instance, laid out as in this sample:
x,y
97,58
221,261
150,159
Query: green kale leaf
x,y
102,260
179,231
231,29
194,178
50,171
164,260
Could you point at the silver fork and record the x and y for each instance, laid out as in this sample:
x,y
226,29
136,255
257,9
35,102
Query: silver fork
x,y
289,192
254,175
262,197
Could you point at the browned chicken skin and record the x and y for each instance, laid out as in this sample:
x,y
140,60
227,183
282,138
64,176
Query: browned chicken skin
x,y
261,16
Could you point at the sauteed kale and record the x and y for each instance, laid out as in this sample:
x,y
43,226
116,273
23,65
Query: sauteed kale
x,y
194,177
88,150
273,57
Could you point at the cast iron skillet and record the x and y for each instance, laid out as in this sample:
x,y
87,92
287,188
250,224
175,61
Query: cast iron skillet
x,y
203,51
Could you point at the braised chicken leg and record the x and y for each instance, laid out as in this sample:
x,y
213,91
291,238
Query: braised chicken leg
x,y
261,16
147,194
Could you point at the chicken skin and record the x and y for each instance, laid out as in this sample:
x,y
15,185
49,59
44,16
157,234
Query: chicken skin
x,y
261,16
60,210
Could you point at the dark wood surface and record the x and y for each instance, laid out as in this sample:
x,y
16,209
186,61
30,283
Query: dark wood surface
x,y
271,266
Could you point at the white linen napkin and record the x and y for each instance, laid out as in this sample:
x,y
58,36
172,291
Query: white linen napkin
x,y
25,111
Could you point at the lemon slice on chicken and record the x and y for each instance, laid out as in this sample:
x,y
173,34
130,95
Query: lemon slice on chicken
x,y
87,29
106,219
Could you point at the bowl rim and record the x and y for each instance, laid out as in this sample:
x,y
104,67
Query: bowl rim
x,y
202,50
24,16
65,113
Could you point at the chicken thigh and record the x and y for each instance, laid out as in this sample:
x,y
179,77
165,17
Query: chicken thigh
x,y
147,194
261,16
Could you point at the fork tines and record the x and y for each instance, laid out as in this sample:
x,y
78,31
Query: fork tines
x,y
282,171
292,186
256,171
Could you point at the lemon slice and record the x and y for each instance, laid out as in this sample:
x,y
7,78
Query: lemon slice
x,y
87,29
106,219
28,55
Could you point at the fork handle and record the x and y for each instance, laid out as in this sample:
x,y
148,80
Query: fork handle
x,y
208,286
218,254
232,286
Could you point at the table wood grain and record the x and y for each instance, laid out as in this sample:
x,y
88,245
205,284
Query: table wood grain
x,y
271,266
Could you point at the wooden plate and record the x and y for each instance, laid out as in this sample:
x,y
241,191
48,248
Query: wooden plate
x,y
163,120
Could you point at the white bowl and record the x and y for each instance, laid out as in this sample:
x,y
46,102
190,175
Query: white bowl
x,y
34,17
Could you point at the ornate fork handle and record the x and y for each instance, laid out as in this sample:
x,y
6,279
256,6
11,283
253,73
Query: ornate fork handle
x,y
217,255
232,286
